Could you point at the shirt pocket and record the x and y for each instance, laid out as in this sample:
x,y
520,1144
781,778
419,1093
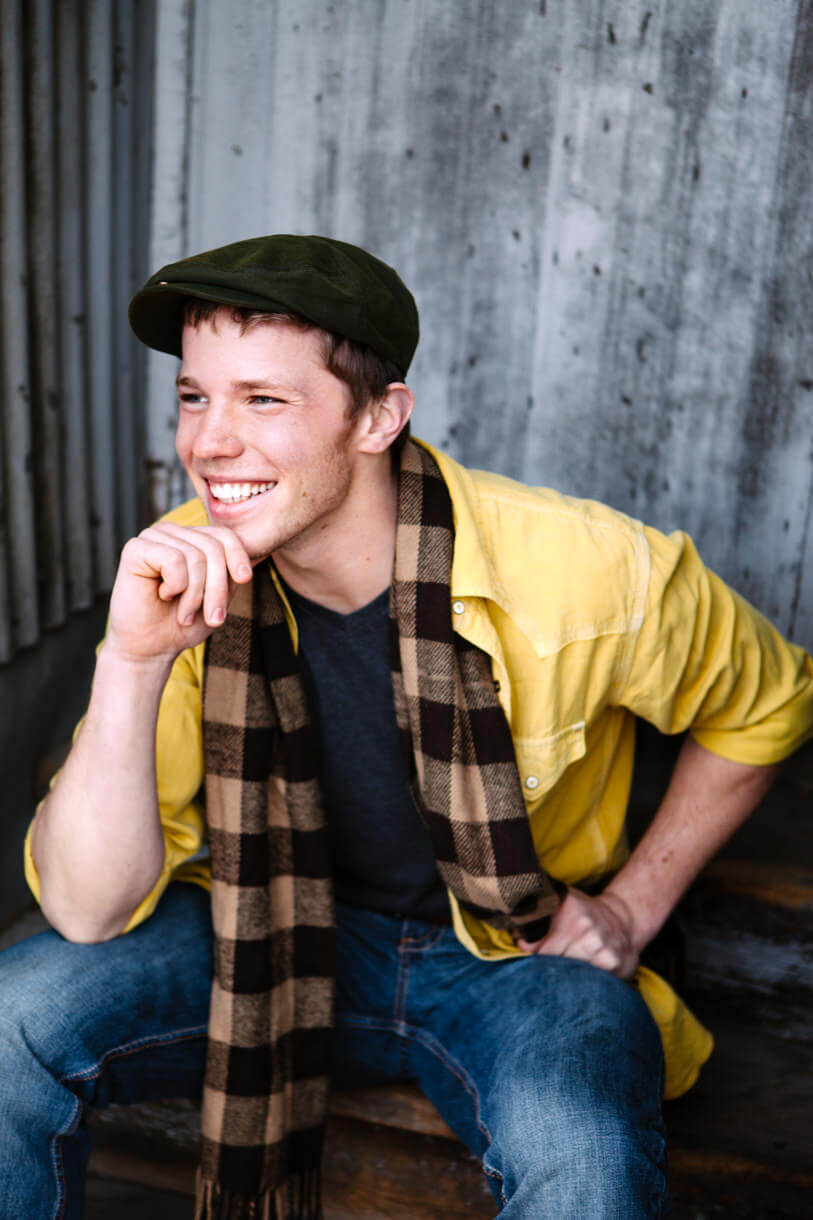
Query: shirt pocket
x,y
543,760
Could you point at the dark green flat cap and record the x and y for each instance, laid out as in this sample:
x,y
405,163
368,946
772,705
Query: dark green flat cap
x,y
337,286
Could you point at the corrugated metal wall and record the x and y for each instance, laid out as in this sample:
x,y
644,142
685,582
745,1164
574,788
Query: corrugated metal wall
x,y
603,207
75,163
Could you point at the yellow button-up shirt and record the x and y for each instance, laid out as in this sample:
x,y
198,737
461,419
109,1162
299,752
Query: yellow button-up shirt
x,y
590,619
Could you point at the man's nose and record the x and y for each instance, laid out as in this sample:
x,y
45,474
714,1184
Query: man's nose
x,y
216,434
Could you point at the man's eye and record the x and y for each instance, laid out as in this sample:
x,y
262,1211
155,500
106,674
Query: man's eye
x,y
264,400
190,399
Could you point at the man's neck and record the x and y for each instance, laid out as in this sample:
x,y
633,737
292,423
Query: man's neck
x,y
347,567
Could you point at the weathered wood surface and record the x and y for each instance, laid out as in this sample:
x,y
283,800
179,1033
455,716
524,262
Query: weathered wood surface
x,y
397,1105
603,209
379,1173
789,886
371,1172
692,1199
758,958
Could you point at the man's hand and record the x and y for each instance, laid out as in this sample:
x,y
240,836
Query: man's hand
x,y
597,930
173,589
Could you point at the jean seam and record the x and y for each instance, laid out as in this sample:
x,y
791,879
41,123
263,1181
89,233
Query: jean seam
x,y
399,1006
129,1048
495,1173
58,1163
499,1178
436,1048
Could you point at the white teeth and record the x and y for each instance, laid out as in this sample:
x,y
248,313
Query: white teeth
x,y
231,493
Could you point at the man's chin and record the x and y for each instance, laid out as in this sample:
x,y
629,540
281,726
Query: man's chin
x,y
258,550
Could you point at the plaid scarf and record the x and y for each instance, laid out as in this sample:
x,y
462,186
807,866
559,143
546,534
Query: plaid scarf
x,y
268,1066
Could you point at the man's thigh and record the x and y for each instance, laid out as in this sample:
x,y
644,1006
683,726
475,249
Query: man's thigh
x,y
412,1002
569,1027
124,1020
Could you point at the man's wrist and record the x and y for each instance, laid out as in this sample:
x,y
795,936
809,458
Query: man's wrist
x,y
129,667
641,923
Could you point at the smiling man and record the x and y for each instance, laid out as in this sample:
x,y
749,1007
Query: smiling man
x,y
395,700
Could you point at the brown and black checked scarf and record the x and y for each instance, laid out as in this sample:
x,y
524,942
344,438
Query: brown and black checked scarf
x,y
268,1066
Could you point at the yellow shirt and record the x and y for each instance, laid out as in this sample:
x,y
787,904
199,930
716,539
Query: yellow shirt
x,y
591,619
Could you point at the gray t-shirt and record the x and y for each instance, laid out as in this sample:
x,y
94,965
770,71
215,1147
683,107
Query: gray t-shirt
x,y
382,856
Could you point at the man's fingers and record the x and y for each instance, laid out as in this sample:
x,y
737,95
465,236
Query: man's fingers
x,y
551,945
588,929
210,558
180,575
591,948
587,948
555,944
570,922
186,576
191,600
214,541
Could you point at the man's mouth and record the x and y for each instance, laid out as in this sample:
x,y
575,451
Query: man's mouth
x,y
235,493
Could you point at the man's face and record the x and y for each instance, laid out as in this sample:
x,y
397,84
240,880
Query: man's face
x,y
263,432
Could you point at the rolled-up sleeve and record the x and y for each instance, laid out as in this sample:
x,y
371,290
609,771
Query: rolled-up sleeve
x,y
703,659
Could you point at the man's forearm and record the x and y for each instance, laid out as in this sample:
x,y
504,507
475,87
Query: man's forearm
x,y
97,841
707,800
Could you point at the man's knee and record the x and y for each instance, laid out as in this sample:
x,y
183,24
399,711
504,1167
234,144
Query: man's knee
x,y
38,988
582,1153
590,1162
578,1129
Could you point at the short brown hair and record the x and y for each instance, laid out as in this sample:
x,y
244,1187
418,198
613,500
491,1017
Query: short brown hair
x,y
366,374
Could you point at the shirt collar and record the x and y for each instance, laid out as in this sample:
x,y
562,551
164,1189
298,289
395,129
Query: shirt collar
x,y
473,574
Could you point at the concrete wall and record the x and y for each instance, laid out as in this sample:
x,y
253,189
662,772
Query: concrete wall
x,y
602,207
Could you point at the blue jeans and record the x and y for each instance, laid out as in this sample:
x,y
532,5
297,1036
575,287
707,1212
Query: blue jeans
x,y
548,1069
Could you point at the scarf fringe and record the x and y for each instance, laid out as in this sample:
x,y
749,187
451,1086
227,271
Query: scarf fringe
x,y
299,1198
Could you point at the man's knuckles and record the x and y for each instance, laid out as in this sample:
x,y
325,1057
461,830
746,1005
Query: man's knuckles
x,y
594,942
583,924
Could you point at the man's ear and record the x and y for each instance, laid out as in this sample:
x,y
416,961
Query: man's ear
x,y
384,418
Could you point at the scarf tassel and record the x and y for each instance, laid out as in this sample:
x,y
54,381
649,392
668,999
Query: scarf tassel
x,y
300,1198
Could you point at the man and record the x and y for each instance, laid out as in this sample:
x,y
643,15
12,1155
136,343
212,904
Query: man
x,y
408,688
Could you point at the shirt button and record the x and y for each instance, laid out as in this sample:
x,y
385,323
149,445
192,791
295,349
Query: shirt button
x,y
531,782
459,607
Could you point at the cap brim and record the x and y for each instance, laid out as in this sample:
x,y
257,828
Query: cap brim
x,y
156,313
